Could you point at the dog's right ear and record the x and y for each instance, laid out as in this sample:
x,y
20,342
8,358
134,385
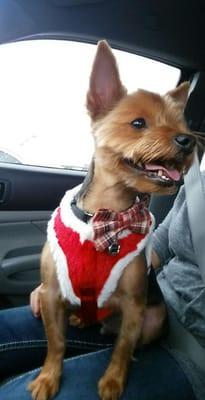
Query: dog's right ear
x,y
105,88
180,94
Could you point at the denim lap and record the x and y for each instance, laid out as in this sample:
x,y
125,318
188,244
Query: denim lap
x,y
23,343
153,375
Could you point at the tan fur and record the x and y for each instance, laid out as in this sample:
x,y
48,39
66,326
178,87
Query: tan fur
x,y
114,185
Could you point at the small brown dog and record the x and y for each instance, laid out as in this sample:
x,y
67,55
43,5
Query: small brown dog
x,y
99,238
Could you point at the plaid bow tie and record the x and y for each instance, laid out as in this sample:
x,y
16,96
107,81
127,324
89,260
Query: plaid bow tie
x,y
107,223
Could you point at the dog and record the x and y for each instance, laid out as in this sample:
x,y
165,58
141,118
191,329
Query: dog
x,y
100,235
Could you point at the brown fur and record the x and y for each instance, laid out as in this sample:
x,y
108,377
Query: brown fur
x,y
114,184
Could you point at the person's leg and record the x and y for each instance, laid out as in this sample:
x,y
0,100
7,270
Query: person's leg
x,y
23,343
154,374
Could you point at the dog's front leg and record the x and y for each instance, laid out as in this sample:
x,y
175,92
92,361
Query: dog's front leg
x,y
111,385
53,313
132,304
46,384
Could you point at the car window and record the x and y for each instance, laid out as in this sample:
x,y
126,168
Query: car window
x,y
42,99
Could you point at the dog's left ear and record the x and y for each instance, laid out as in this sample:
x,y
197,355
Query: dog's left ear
x,y
105,88
180,94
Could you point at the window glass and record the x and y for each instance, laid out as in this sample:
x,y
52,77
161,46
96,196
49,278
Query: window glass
x,y
43,84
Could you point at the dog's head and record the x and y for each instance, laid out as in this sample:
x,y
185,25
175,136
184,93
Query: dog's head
x,y
141,138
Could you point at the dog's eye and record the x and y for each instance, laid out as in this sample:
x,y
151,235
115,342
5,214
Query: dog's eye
x,y
139,123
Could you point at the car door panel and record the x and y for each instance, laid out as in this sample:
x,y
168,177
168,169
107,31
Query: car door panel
x,y
32,194
35,188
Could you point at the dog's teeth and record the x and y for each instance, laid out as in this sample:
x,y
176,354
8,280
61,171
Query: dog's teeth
x,y
165,177
160,173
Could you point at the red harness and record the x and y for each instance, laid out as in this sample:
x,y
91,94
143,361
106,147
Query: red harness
x,y
92,275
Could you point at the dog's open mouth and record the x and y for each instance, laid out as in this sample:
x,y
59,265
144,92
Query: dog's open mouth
x,y
160,172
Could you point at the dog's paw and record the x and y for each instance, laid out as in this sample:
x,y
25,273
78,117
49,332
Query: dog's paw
x,y
110,387
44,387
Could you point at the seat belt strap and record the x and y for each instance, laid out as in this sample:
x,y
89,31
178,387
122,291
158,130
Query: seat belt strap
x,y
195,198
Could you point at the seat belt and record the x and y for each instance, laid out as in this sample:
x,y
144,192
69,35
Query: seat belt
x,y
195,198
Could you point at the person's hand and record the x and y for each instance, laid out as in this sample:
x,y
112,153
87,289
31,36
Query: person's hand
x,y
35,301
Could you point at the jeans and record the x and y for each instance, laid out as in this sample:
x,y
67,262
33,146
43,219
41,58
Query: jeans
x,y
154,373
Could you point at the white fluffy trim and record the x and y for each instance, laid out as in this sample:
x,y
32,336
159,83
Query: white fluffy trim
x,y
120,266
61,265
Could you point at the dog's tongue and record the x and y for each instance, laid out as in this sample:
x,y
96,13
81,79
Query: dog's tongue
x,y
170,172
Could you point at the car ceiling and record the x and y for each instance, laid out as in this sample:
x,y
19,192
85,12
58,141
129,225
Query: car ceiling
x,y
171,31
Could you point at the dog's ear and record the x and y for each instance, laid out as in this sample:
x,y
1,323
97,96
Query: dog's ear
x,y
180,94
105,88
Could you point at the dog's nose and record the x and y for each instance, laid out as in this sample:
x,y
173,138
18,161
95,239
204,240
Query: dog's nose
x,y
185,142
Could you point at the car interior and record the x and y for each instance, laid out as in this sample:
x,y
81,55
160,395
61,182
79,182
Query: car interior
x,y
169,32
